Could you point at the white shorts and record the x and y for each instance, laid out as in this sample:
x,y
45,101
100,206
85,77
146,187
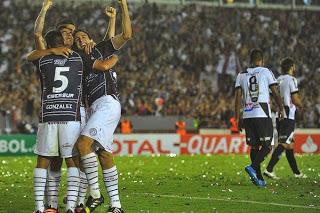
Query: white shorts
x,y
103,118
57,139
83,119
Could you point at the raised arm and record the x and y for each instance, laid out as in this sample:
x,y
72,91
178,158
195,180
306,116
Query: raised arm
x,y
106,64
37,54
111,31
120,39
39,24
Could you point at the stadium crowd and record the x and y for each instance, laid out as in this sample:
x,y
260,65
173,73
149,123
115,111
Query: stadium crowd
x,y
181,61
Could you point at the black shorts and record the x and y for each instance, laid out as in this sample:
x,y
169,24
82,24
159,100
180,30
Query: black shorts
x,y
285,129
259,131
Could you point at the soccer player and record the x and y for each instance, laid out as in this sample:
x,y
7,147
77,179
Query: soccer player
x,y
60,103
59,116
102,95
66,27
289,93
252,89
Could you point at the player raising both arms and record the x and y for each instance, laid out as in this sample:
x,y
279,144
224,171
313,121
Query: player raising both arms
x,y
289,93
252,89
102,95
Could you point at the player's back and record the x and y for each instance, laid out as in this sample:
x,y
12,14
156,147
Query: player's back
x,y
61,87
255,83
288,85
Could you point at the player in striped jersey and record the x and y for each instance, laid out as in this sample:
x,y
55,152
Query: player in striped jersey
x,y
59,115
252,86
102,95
60,103
289,93
66,27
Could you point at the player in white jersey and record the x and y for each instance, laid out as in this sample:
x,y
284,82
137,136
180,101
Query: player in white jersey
x,y
289,93
252,89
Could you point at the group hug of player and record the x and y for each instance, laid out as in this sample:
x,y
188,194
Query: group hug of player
x,y
253,87
79,112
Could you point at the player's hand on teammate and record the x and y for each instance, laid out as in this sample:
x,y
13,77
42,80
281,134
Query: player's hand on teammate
x,y
47,4
89,47
111,12
63,51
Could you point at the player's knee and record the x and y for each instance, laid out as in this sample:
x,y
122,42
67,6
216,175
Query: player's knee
x,y
43,162
83,143
55,164
70,162
106,159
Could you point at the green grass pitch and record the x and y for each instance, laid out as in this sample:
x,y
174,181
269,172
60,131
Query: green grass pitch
x,y
181,184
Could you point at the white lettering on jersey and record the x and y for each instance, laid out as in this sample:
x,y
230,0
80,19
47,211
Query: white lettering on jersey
x,y
60,95
59,106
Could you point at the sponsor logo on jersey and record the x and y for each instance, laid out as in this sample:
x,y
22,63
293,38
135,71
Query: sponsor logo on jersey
x,y
60,95
250,106
60,62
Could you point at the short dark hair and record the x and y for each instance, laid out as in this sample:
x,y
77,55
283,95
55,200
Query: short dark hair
x,y
54,38
82,30
61,24
286,64
256,55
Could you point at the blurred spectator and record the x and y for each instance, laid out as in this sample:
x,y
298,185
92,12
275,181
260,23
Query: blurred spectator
x,y
181,60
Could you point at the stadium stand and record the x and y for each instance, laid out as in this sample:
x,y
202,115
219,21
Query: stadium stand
x,y
182,60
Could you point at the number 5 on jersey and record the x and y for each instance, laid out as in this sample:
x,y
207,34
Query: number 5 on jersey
x,y
58,76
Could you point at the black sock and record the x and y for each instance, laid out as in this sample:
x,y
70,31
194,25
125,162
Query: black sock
x,y
263,152
275,158
292,161
253,153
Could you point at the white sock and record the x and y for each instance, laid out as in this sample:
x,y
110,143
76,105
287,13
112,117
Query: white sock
x,y
52,188
90,166
110,178
73,180
83,188
39,184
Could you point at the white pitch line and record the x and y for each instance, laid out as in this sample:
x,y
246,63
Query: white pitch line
x,y
228,200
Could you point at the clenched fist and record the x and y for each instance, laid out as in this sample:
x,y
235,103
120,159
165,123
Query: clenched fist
x,y
111,12
47,4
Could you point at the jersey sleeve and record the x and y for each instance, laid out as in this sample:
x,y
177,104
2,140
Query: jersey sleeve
x,y
88,61
106,48
271,79
237,85
293,84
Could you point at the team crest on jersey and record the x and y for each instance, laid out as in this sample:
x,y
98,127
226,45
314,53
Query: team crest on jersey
x,y
60,62
93,131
